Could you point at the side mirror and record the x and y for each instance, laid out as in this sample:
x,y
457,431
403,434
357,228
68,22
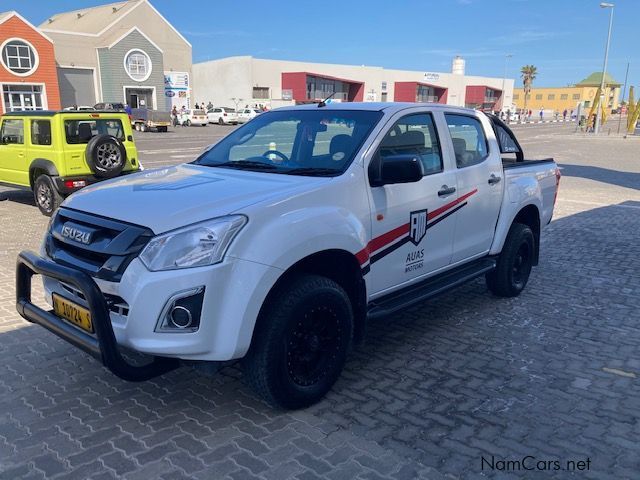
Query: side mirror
x,y
396,169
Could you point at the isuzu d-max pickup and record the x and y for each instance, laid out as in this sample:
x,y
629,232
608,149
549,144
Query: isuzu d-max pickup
x,y
277,244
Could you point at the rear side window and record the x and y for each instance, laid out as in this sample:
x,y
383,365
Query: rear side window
x,y
12,132
40,132
414,135
82,130
469,141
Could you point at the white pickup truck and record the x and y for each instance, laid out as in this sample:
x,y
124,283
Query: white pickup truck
x,y
279,242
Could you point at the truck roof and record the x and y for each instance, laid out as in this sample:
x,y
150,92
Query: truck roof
x,y
374,106
51,113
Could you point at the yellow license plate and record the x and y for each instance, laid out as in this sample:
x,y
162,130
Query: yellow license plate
x,y
72,312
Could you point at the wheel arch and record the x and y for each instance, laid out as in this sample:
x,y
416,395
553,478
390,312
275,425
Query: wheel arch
x,y
41,165
338,265
530,216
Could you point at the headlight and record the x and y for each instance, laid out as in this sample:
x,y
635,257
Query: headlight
x,y
193,246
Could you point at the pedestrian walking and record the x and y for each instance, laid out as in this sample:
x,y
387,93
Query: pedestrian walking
x,y
529,116
209,106
508,115
564,115
197,107
174,116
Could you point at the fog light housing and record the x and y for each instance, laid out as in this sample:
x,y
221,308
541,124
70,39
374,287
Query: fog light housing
x,y
181,313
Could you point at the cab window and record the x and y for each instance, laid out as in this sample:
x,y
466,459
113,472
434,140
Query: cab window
x,y
12,132
40,132
82,130
469,142
414,135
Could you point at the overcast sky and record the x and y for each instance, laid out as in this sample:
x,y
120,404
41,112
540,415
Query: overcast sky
x,y
565,39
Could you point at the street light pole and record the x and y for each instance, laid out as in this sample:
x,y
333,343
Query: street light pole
x,y
604,70
504,77
624,93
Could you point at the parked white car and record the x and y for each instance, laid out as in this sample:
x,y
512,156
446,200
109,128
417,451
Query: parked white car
x,y
194,117
279,242
223,116
246,114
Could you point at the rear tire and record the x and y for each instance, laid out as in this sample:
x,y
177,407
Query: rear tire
x,y
220,121
188,123
300,342
45,195
514,263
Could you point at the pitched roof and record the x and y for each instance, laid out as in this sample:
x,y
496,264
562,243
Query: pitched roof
x,y
89,20
595,78
4,16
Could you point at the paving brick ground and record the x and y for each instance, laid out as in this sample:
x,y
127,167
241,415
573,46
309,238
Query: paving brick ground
x,y
552,374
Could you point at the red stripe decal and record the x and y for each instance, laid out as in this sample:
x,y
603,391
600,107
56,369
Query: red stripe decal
x,y
444,208
387,238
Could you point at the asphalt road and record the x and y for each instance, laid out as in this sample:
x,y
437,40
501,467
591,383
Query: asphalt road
x,y
464,386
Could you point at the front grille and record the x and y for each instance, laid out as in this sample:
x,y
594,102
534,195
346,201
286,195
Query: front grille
x,y
103,248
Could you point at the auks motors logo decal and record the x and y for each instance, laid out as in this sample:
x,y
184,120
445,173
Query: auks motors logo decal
x,y
414,231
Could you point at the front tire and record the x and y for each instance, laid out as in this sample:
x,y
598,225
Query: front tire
x,y
45,195
514,263
300,342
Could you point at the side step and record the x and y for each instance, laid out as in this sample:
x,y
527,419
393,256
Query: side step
x,y
429,288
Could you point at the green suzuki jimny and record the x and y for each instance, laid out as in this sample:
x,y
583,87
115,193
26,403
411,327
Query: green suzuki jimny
x,y
56,153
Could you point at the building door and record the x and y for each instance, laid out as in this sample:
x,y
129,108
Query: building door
x,y
77,87
140,97
22,97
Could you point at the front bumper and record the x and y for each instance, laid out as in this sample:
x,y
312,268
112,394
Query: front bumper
x,y
234,292
103,345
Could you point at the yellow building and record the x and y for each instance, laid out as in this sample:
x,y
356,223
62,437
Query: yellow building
x,y
558,99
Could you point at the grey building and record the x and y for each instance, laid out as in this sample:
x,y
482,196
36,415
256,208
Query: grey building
x,y
124,52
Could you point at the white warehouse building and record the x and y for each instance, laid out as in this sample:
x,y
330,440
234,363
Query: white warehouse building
x,y
244,80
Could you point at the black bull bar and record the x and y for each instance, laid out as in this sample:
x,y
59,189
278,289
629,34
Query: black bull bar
x,y
104,348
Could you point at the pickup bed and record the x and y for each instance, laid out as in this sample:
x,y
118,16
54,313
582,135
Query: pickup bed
x,y
279,242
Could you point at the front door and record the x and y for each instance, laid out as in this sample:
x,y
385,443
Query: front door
x,y
133,100
412,223
13,161
479,182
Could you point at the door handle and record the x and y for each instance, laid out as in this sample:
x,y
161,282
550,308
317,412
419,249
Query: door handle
x,y
445,190
493,179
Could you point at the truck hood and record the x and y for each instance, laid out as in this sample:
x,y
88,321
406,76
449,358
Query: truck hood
x,y
173,197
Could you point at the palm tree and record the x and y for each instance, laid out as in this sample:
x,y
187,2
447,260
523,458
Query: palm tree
x,y
529,73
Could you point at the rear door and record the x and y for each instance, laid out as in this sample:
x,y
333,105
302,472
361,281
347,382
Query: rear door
x,y
479,183
13,160
412,223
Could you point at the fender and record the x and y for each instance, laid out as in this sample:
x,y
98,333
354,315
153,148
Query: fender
x,y
504,224
42,164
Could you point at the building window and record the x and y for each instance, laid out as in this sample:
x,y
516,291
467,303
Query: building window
x,y
576,96
384,86
551,96
22,97
261,93
564,96
137,64
538,96
19,57
587,103
516,96
426,94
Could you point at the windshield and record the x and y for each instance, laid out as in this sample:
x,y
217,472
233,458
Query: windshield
x,y
296,142
197,112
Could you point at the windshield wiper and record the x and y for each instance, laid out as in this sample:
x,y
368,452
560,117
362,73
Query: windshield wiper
x,y
246,165
313,172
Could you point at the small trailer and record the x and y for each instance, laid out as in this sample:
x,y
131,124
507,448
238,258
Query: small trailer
x,y
143,119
